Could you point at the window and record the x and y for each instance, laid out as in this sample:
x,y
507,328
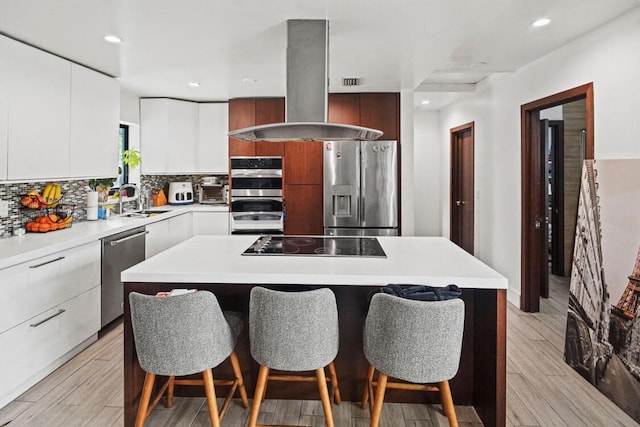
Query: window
x,y
123,144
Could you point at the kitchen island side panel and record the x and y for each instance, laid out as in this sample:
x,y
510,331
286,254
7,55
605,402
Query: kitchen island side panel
x,y
480,381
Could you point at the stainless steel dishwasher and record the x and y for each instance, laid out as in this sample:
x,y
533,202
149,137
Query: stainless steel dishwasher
x,y
119,252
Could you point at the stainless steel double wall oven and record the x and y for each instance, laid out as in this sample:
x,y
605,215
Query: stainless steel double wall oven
x,y
256,195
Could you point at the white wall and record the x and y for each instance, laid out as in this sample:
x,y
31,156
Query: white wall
x,y
609,58
406,156
427,173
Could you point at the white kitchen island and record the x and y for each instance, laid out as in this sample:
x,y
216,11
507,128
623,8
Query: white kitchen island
x,y
215,263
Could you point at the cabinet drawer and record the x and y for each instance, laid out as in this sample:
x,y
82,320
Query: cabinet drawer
x,y
35,286
33,345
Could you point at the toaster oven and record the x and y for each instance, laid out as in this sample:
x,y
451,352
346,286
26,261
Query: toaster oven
x,y
213,193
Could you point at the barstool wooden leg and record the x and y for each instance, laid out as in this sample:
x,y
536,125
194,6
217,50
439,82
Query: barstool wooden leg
x,y
207,376
257,397
324,396
147,389
379,399
170,389
238,373
334,384
447,403
367,386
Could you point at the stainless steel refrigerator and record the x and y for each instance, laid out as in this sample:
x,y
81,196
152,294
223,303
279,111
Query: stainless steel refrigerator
x,y
361,188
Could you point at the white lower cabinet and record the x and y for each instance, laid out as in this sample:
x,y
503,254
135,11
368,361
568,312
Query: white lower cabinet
x,y
49,306
32,287
36,347
211,223
157,239
167,233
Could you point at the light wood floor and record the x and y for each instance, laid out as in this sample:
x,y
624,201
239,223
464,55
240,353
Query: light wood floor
x,y
541,389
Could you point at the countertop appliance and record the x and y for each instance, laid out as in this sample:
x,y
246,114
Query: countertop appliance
x,y
119,252
180,193
316,246
360,188
211,190
256,195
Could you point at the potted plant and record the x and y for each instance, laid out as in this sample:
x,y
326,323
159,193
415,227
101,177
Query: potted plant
x,y
131,158
102,186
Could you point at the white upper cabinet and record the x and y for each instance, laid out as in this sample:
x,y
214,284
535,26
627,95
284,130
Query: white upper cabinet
x,y
168,135
4,108
183,137
39,96
57,119
95,116
154,138
213,142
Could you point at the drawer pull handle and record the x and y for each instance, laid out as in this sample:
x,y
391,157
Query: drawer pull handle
x,y
124,239
35,325
47,262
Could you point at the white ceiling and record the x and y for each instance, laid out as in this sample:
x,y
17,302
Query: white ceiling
x,y
440,48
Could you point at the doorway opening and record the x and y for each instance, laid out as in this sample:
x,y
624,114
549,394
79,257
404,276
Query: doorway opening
x,y
550,165
461,210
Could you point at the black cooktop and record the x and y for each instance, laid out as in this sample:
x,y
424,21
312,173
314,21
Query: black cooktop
x,y
316,246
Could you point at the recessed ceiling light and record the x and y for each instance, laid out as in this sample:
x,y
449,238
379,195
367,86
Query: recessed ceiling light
x,y
194,84
541,22
112,38
425,102
249,80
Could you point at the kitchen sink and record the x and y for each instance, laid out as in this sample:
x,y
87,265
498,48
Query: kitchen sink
x,y
142,214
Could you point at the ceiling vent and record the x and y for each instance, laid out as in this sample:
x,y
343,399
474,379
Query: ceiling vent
x,y
351,81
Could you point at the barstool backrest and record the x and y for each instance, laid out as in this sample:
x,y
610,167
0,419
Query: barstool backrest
x,y
180,335
416,341
293,331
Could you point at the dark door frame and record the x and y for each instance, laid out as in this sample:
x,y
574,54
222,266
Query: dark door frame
x,y
530,176
455,188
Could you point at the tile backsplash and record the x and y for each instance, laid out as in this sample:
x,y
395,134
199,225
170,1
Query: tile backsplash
x,y
149,182
73,194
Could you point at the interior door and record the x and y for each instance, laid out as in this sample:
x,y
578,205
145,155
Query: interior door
x,y
543,217
535,245
462,187
533,242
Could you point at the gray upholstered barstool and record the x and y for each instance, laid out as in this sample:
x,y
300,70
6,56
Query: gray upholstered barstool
x,y
414,341
183,335
295,332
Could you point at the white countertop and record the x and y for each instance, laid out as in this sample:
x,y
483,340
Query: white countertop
x,y
15,250
416,260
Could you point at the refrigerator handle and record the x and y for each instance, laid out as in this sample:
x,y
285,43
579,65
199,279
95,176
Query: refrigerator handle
x,y
362,184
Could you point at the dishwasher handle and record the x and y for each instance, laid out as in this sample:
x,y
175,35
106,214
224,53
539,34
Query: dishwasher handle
x,y
124,239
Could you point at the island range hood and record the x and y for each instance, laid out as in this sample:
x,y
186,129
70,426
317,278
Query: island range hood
x,y
306,98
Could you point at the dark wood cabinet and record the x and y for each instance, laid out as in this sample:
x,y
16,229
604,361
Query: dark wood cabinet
x,y
304,209
242,114
373,110
303,162
269,110
344,108
381,111
269,148
247,112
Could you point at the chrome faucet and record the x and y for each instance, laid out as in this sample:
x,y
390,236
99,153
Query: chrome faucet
x,y
123,193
